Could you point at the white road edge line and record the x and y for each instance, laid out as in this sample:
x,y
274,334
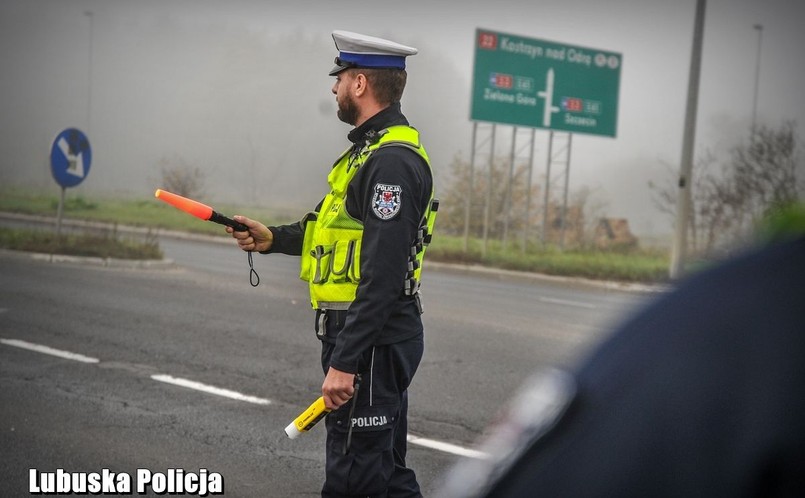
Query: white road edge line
x,y
446,447
48,350
198,386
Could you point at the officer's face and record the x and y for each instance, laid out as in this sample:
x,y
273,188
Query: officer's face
x,y
347,107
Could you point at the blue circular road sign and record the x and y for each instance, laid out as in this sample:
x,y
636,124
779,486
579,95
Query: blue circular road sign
x,y
70,157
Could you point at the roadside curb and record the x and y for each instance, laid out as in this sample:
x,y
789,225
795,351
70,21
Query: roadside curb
x,y
89,260
86,260
527,277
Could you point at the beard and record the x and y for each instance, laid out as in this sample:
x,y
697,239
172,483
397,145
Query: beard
x,y
348,111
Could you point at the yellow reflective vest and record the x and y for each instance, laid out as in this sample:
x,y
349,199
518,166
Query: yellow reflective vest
x,y
330,260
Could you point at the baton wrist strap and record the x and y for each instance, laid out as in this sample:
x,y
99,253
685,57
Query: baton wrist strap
x,y
348,441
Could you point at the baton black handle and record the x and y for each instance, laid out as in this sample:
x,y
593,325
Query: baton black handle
x,y
223,220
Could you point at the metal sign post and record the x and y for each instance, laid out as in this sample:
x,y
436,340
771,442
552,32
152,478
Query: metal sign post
x,y
70,159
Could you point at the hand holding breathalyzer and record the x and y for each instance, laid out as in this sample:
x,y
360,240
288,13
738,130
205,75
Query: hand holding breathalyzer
x,y
307,419
338,388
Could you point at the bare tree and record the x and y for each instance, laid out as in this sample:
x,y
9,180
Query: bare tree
x,y
181,178
592,208
705,213
585,204
761,176
768,172
453,198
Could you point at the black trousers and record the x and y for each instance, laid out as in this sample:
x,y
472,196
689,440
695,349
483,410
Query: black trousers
x,y
373,463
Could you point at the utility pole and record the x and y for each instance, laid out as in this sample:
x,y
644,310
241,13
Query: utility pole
x,y
89,14
759,28
683,205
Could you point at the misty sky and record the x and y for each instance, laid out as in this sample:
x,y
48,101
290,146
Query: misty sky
x,y
240,88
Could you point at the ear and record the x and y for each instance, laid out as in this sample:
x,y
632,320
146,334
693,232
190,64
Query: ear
x,y
360,84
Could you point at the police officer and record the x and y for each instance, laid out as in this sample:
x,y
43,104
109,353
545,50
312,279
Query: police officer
x,y
361,254
700,394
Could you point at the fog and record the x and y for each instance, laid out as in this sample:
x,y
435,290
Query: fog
x,y
240,89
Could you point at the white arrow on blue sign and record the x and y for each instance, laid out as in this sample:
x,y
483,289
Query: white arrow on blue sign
x,y
70,157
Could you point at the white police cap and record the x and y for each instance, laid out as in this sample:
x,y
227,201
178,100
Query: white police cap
x,y
357,50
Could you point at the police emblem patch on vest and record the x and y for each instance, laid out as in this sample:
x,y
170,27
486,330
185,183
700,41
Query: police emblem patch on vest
x,y
386,201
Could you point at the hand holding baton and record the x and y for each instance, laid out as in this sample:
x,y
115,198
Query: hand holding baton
x,y
206,213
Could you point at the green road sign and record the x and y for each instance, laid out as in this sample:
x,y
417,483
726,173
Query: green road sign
x,y
541,84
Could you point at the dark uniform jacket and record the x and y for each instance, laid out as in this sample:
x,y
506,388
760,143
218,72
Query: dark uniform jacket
x,y
381,313
701,394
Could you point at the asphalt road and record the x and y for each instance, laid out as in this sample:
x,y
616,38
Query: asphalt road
x,y
200,321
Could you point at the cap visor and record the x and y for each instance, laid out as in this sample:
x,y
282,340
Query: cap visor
x,y
337,69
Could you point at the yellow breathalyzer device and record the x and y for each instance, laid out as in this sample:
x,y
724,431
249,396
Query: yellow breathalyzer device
x,y
307,419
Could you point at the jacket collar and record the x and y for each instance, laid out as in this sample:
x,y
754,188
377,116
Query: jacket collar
x,y
390,116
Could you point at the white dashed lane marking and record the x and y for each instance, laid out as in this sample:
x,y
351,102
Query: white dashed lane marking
x,y
445,447
48,350
565,302
218,391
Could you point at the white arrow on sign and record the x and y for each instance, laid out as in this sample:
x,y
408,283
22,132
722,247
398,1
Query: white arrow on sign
x,y
547,94
75,163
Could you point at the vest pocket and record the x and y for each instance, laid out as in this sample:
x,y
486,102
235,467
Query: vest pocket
x,y
335,263
322,261
305,260
344,260
355,268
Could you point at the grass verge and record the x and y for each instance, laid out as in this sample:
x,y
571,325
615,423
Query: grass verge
x,y
632,266
92,245
145,212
